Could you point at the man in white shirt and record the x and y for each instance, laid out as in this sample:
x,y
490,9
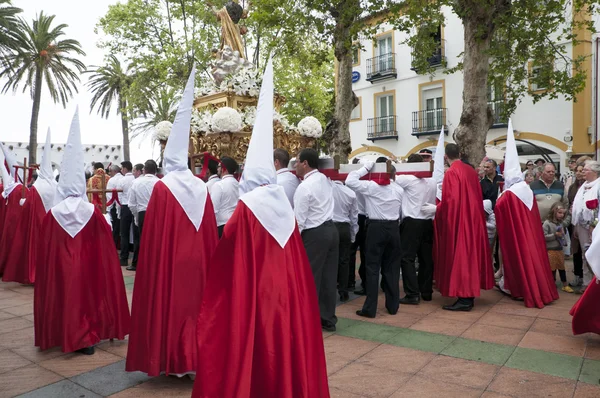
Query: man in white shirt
x,y
383,204
314,213
213,176
285,178
359,245
114,209
138,170
124,184
416,235
139,196
345,218
225,193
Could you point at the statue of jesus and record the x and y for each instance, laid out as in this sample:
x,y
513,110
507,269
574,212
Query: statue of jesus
x,y
229,16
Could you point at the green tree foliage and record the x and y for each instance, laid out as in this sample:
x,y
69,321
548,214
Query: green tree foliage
x,y
8,25
41,56
107,83
503,39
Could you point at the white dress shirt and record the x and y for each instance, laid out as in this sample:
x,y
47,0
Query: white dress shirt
x,y
362,207
383,202
225,195
313,201
212,180
125,184
345,207
417,192
140,192
289,182
113,183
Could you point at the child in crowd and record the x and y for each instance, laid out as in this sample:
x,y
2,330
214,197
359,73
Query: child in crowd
x,y
554,232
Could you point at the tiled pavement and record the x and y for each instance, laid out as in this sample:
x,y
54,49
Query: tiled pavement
x,y
500,349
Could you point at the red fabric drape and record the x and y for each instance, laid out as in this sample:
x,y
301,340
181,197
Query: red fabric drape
x,y
170,279
21,261
586,316
527,272
79,295
12,215
259,330
462,254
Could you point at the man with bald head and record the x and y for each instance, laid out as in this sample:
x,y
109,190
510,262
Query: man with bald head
x,y
548,190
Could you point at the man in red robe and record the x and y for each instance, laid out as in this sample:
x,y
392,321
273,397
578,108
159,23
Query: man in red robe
x,y
259,328
21,262
79,295
11,197
527,272
180,235
461,252
586,317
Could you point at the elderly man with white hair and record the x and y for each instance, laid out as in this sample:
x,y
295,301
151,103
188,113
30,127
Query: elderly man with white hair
x,y
585,212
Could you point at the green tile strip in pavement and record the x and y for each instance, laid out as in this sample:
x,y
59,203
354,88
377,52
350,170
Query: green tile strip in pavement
x,y
128,279
538,361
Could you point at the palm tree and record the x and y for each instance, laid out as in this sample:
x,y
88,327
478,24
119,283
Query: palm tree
x,y
40,57
107,83
162,105
8,25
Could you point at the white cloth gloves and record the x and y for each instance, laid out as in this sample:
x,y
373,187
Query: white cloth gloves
x,y
369,165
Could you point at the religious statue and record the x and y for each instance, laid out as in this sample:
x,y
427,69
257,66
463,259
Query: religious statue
x,y
231,35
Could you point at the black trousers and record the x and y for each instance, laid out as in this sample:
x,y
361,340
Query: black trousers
x,y
137,237
383,253
126,225
577,256
359,244
220,230
116,226
344,233
417,240
321,244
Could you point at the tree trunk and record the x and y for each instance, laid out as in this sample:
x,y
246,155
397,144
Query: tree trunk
x,y
125,128
35,113
337,133
476,117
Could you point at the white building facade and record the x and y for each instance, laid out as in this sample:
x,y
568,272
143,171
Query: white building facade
x,y
402,112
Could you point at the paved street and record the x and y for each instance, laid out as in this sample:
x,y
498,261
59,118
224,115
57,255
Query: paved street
x,y
500,349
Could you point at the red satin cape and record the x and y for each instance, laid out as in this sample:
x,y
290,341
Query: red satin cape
x,y
462,257
527,272
259,329
79,295
21,265
170,278
12,215
585,312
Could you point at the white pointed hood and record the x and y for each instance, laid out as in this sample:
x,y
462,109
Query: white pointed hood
x,y
188,190
45,184
8,179
258,185
438,164
513,176
593,253
73,211
11,161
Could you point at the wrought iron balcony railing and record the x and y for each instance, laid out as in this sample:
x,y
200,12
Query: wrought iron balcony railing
x,y
382,67
498,107
429,121
381,128
437,59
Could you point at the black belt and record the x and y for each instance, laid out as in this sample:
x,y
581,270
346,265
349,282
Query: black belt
x,y
371,221
328,222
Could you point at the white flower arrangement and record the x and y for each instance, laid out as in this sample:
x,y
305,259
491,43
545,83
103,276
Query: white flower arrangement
x,y
245,81
310,127
162,131
248,116
200,122
226,120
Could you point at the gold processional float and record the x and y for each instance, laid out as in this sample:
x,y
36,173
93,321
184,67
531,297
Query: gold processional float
x,y
225,105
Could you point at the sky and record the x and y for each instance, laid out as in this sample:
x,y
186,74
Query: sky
x,y
81,18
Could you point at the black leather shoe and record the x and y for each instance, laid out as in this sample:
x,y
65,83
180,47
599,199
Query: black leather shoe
x,y
458,306
410,300
392,312
364,314
360,292
328,328
131,268
344,296
426,297
87,350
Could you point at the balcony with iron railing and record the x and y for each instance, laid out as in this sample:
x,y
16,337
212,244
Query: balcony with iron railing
x,y
498,107
381,128
382,67
429,122
437,59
